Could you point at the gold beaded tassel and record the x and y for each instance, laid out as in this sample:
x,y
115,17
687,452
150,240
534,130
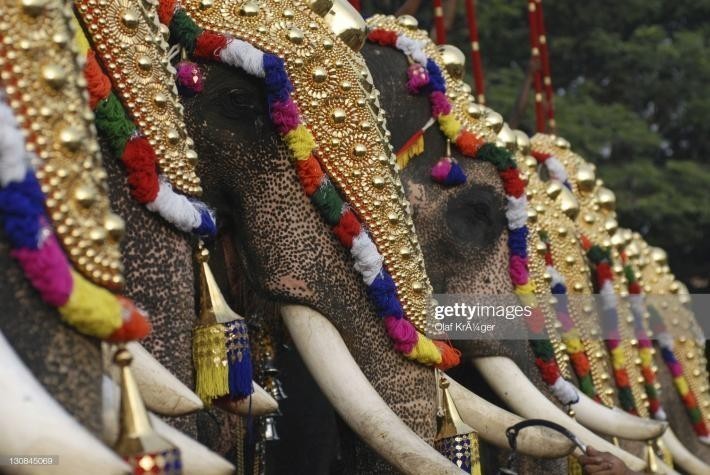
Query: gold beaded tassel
x,y
138,443
456,440
220,343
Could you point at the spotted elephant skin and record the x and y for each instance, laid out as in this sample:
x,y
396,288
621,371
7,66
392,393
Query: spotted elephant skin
x,y
286,252
462,229
66,363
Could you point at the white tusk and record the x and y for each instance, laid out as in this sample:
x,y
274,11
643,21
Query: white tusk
x,y
35,424
615,422
682,456
351,394
513,387
262,403
162,392
196,458
491,422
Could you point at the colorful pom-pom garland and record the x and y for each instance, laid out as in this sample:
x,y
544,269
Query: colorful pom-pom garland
x,y
90,309
138,156
555,168
424,76
665,341
570,332
600,262
645,346
286,117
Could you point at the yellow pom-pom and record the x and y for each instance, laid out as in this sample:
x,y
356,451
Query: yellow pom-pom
x,y
617,358
450,126
82,44
91,309
574,345
646,357
300,142
425,351
681,385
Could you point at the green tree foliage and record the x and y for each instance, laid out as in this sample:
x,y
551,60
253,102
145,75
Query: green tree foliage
x,y
632,83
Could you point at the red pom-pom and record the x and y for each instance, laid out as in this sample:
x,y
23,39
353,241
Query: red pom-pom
x,y
689,400
621,377
701,429
512,184
310,174
450,356
383,37
139,160
536,321
549,370
468,144
347,228
648,375
98,84
586,243
654,405
603,273
580,362
166,10
634,288
209,45
135,326
541,156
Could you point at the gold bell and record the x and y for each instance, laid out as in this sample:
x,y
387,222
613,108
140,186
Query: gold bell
x,y
347,24
454,60
454,439
320,7
138,443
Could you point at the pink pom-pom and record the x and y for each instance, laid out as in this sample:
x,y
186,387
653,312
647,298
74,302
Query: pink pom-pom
x,y
402,333
48,270
440,104
189,78
441,170
518,269
418,77
285,115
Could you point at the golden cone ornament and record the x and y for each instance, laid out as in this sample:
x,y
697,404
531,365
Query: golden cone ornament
x,y
138,443
456,440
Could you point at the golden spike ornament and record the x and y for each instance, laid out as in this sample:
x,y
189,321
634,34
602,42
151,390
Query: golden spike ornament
x,y
132,49
138,443
334,92
44,85
455,439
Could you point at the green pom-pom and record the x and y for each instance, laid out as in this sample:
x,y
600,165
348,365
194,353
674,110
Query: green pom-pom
x,y
113,123
328,202
501,158
184,30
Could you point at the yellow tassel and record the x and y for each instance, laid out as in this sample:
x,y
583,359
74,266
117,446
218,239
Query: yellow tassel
x,y
573,466
91,309
681,385
300,142
404,156
450,126
425,351
209,354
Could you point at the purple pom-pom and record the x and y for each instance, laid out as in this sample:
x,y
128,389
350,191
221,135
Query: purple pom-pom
x,y
417,78
189,78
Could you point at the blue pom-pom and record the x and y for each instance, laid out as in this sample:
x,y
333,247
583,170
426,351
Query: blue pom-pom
x,y
518,241
239,359
21,210
383,293
207,228
436,80
278,85
456,176
667,354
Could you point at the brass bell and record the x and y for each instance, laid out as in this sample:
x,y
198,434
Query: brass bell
x,y
320,7
568,203
408,21
454,60
659,256
523,141
562,143
493,119
586,177
507,138
347,24
606,199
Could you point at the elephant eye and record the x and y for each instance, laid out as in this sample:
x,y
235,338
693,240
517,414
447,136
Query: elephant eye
x,y
476,215
235,103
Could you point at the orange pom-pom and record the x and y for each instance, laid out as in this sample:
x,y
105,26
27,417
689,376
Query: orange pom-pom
x,y
468,143
135,327
450,356
98,84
